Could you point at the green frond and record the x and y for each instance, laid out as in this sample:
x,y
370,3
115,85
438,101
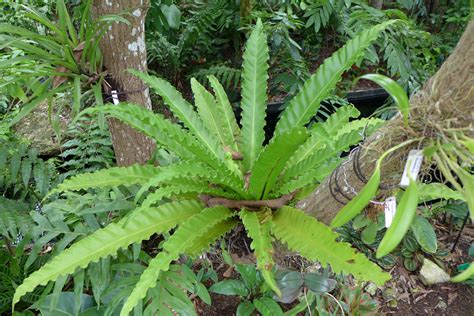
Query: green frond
x,y
232,129
185,112
338,119
365,125
171,136
435,191
316,241
312,176
254,95
259,231
189,170
210,114
212,235
181,189
140,225
317,157
110,177
164,132
182,240
14,218
272,160
306,103
308,148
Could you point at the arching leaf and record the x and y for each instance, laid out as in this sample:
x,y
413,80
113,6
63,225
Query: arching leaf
x,y
136,227
259,231
254,94
316,241
306,103
232,130
182,240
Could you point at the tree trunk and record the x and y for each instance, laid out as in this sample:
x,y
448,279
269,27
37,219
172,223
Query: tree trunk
x,y
446,99
378,4
123,47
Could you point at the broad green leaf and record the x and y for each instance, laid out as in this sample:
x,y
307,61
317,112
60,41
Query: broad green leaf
x,y
369,233
267,306
319,283
395,90
139,226
254,94
406,211
262,245
435,191
306,103
316,241
230,287
424,234
245,308
272,160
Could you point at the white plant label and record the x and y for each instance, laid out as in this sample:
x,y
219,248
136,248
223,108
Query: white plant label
x,y
115,98
390,208
412,167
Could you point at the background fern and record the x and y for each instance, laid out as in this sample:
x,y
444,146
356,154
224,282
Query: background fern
x,y
89,147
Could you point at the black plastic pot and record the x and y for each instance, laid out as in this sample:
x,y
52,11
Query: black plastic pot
x,y
366,101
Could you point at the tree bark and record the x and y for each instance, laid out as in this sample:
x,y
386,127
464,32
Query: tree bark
x,y
123,47
446,99
378,4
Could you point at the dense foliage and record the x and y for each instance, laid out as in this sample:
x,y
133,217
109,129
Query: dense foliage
x,y
107,240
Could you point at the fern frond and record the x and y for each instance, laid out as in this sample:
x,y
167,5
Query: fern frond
x,y
212,235
164,132
311,161
186,170
183,238
185,112
308,148
171,136
254,95
176,190
207,109
272,160
139,226
317,241
259,231
228,76
14,218
110,177
365,125
306,103
229,122
312,176
339,119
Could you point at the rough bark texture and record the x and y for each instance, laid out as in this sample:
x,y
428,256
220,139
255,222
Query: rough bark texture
x,y
123,47
446,99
